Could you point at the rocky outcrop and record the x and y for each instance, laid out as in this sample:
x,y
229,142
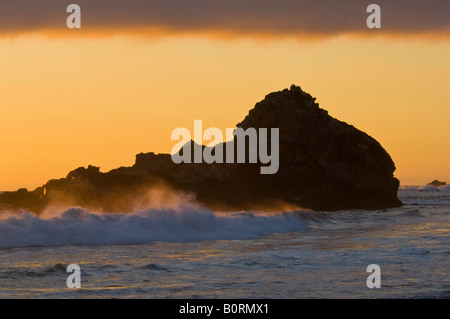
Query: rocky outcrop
x,y
324,164
437,183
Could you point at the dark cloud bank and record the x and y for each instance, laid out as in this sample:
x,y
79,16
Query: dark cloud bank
x,y
277,17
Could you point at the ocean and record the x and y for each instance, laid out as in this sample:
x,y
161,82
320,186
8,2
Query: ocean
x,y
193,252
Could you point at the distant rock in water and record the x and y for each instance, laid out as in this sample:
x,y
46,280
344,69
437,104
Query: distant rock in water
x,y
437,183
324,164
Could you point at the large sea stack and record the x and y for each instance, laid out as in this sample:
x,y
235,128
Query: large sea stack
x,y
324,164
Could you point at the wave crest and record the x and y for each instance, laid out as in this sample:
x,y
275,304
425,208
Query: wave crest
x,y
77,226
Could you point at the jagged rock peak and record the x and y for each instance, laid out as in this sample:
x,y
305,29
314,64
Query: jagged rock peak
x,y
280,105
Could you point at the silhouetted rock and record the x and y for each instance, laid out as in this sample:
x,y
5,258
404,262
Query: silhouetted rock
x,y
437,183
325,164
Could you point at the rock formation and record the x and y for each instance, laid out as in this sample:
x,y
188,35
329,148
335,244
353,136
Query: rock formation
x,y
325,164
437,183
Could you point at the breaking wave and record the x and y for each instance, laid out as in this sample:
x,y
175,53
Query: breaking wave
x,y
77,226
428,195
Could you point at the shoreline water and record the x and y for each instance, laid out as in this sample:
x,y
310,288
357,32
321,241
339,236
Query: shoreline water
x,y
326,258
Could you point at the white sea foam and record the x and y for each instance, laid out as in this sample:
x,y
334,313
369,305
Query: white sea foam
x,y
77,226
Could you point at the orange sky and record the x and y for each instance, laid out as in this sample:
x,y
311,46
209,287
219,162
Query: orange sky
x,y
70,102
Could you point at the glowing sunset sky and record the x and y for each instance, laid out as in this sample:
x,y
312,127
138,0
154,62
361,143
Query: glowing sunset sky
x,y
134,72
